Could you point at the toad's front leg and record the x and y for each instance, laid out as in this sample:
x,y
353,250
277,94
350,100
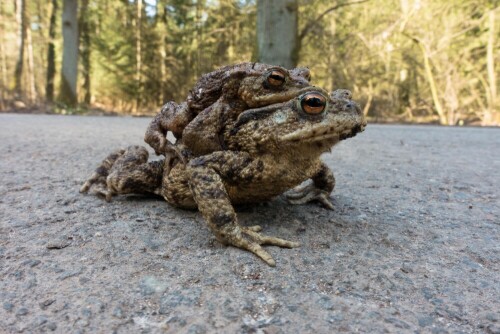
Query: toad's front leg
x,y
172,117
317,189
208,176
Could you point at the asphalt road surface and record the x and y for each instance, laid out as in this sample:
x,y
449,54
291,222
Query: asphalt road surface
x,y
413,245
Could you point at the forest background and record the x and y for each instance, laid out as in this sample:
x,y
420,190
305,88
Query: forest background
x,y
433,61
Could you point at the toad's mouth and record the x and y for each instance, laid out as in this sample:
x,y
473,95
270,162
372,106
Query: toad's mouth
x,y
277,97
323,133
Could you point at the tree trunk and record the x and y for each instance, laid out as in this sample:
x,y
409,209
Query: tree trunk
x,y
277,32
3,62
491,67
51,54
69,71
85,51
432,85
138,58
162,30
23,24
198,39
31,66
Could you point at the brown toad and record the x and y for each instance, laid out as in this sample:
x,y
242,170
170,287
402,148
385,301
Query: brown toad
x,y
216,100
269,150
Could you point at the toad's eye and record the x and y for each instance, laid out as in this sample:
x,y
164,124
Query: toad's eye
x,y
276,78
313,103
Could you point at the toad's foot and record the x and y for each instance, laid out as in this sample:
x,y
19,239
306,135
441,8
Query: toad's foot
x,y
97,181
125,172
249,239
172,155
307,193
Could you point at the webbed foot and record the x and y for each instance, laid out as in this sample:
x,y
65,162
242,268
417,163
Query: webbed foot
x,y
250,239
125,171
307,193
98,180
172,155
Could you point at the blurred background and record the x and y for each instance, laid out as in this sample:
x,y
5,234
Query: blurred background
x,y
425,61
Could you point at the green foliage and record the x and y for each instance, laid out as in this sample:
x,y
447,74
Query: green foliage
x,y
378,50
180,40
404,60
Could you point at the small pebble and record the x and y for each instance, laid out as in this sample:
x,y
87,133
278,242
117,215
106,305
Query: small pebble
x,y
32,263
22,311
8,306
46,303
40,320
58,244
118,313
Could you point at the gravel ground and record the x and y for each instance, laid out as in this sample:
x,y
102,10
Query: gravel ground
x,y
413,245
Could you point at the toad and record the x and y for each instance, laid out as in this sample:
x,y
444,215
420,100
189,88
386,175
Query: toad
x,y
268,150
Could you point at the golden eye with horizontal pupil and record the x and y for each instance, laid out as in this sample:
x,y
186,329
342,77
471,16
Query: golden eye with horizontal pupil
x,y
276,78
313,103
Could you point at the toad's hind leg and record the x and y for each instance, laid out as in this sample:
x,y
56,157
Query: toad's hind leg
x,y
97,180
124,172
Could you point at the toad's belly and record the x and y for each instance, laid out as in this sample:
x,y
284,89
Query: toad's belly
x,y
273,182
254,193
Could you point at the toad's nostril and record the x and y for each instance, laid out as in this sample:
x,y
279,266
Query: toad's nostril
x,y
353,106
302,83
305,73
341,94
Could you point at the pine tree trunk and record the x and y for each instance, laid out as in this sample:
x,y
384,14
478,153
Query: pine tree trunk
x,y
85,51
277,32
491,63
31,66
3,61
162,30
51,54
138,58
23,25
199,40
69,71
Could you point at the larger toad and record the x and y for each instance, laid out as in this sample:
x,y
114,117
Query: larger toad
x,y
269,150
